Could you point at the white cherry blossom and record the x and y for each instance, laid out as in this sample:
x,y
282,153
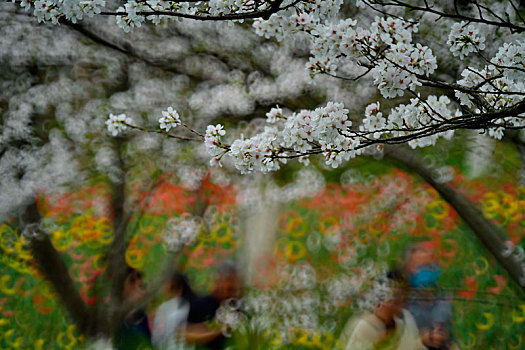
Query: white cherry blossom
x,y
384,50
170,119
464,39
180,231
117,123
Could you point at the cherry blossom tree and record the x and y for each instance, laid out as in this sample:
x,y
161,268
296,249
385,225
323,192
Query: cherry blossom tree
x,y
486,95
45,152
437,67
399,55
55,99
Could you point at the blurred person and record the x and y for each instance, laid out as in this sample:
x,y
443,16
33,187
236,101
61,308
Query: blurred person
x,y
200,329
432,313
134,333
169,325
388,326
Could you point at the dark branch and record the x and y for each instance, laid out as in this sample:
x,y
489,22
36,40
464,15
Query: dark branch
x,y
266,13
491,236
456,15
55,270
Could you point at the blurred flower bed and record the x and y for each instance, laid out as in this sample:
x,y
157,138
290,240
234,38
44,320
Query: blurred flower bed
x,y
328,250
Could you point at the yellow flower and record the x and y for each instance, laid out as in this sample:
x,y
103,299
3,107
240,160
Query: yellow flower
x,y
438,209
135,258
487,325
470,344
3,286
491,205
481,268
519,319
291,250
7,235
221,233
61,240
14,344
39,344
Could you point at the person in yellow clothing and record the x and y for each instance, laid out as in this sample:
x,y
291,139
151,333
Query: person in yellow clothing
x,y
388,326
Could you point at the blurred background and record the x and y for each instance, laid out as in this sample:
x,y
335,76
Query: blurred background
x,y
309,242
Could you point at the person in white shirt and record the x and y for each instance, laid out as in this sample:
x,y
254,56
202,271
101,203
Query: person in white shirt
x,y
387,327
169,325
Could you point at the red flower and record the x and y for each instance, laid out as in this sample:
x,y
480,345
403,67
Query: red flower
x,y
472,285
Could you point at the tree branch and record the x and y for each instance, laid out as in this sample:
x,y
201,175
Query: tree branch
x,y
491,236
117,251
501,23
266,13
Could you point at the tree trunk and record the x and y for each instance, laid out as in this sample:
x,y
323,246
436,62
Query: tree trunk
x,y
101,319
117,265
55,270
492,237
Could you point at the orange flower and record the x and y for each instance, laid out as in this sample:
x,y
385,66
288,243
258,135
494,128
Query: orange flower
x,y
501,282
472,285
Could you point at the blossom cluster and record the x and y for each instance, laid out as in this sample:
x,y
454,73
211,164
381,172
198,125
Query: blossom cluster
x,y
327,130
299,134
324,130
133,17
419,115
464,39
496,88
134,13
510,59
397,64
274,115
306,302
117,123
400,68
302,16
387,43
385,49
72,10
500,84
170,119
257,153
491,93
229,316
180,231
213,142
